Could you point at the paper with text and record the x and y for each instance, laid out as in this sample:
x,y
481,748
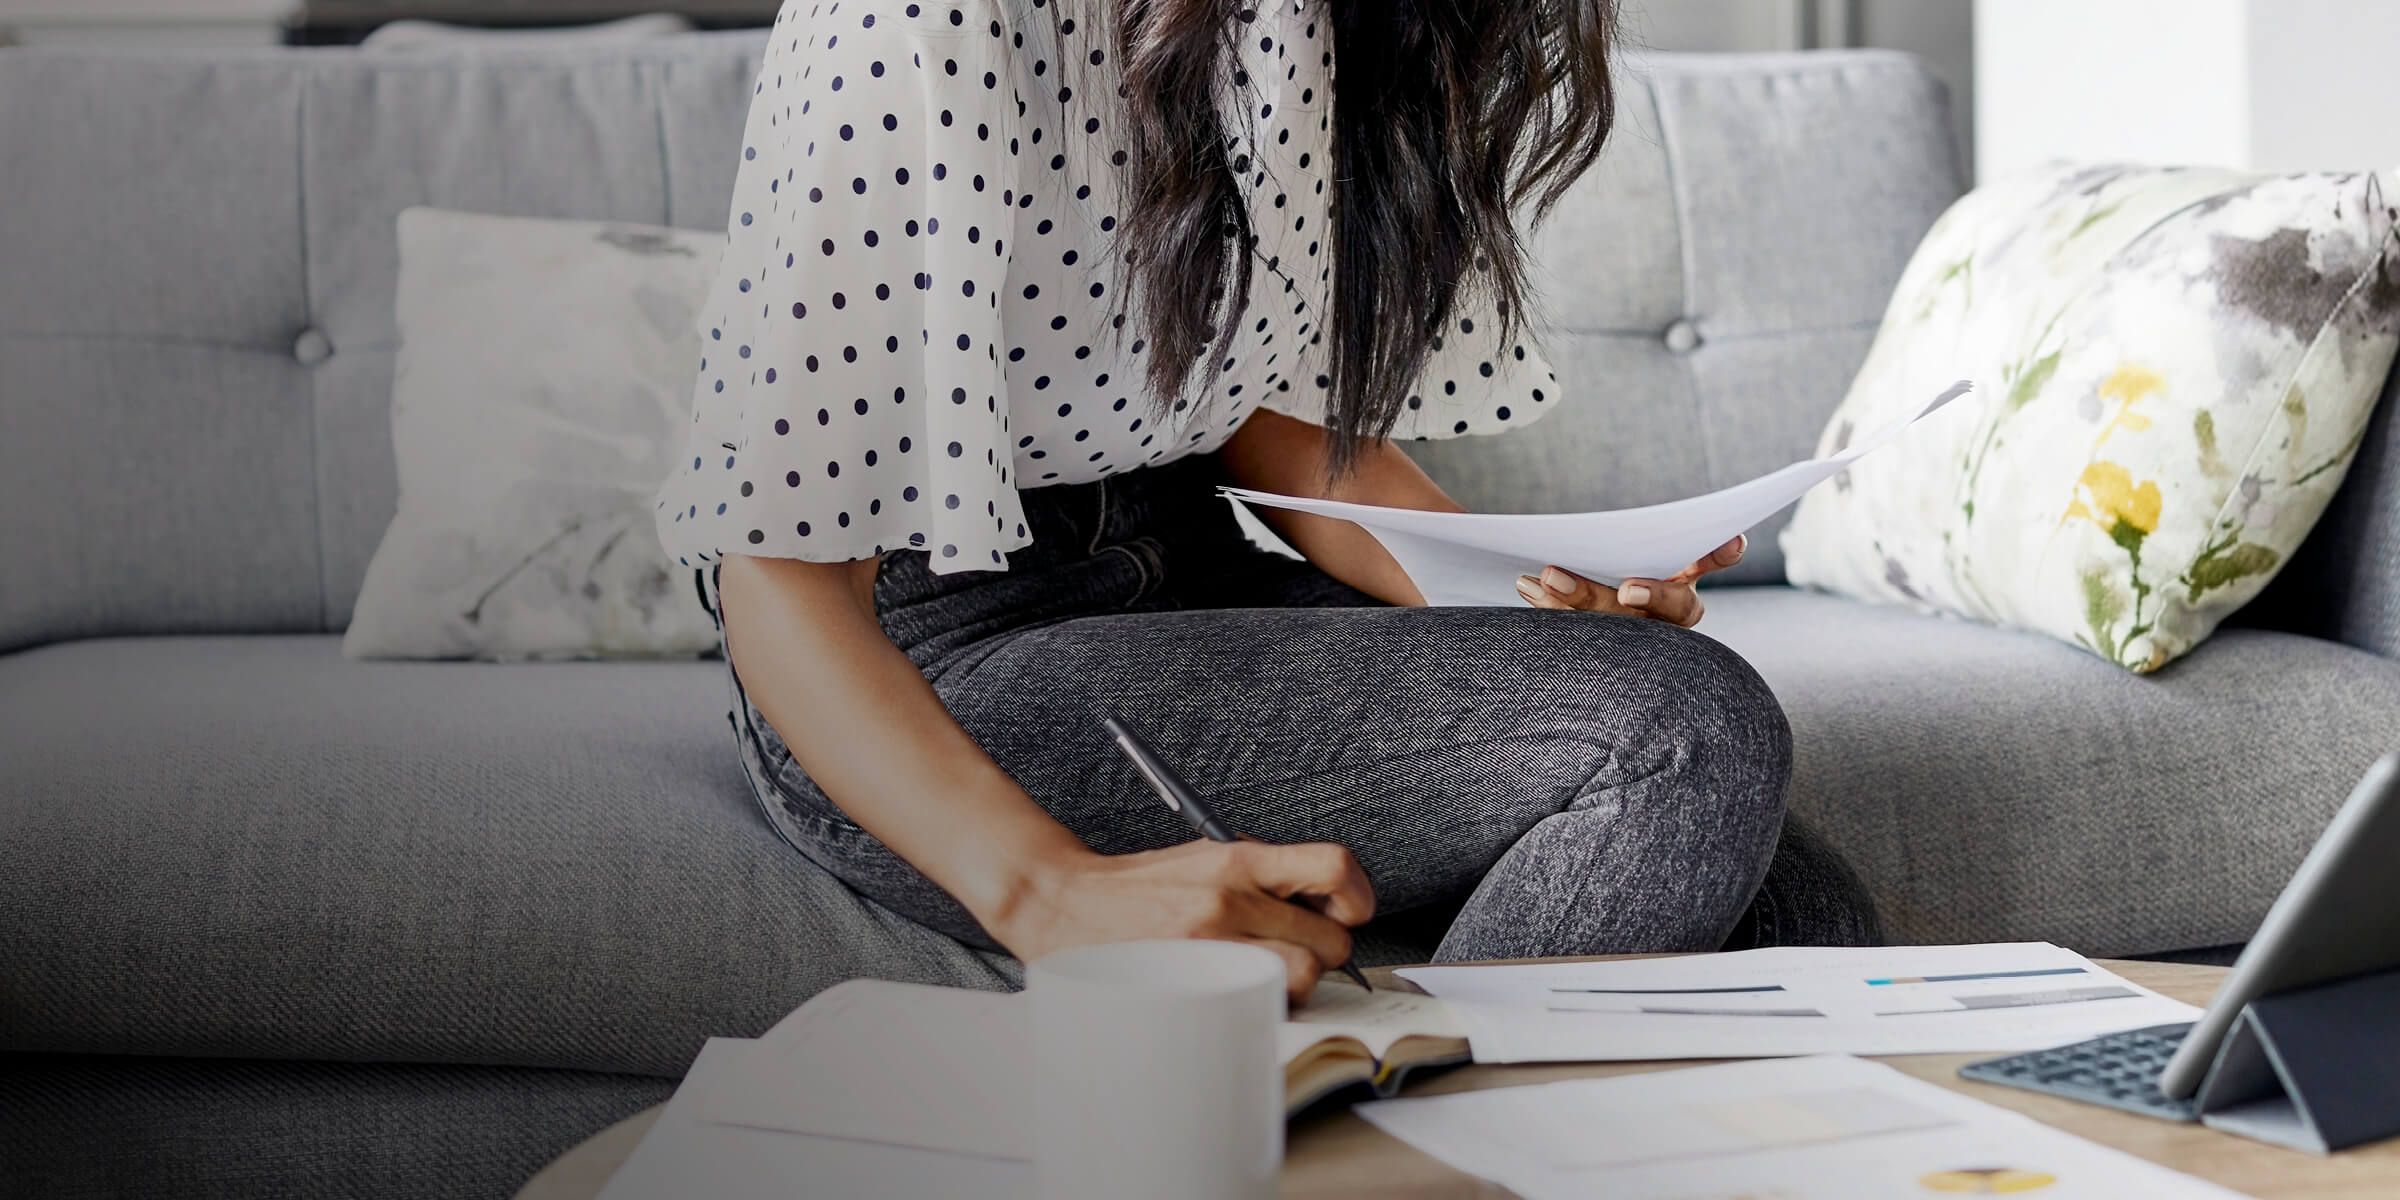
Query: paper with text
x,y
1794,1000
1819,1128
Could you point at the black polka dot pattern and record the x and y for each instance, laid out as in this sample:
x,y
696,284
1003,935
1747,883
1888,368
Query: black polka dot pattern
x,y
919,311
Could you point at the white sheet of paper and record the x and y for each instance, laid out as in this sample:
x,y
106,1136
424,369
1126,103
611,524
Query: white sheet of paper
x,y
1795,1001
685,1156
1475,558
910,1065
938,1068
1818,1128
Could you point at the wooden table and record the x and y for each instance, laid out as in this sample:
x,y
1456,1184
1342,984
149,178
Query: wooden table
x,y
1338,1155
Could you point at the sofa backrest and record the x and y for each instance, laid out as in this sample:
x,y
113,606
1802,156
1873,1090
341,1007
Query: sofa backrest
x,y
196,327
196,324
2344,581
1714,282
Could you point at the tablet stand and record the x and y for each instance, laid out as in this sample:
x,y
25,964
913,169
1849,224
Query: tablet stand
x,y
2315,1069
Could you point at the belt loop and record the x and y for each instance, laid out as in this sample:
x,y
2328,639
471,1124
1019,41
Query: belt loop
x,y
1099,515
700,585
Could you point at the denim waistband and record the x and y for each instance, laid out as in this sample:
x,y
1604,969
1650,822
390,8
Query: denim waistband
x,y
1174,501
1110,545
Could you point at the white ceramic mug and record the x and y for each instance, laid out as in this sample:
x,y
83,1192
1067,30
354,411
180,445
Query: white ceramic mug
x,y
1155,1071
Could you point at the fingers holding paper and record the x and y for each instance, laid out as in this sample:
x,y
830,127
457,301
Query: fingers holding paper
x,y
1674,600
1717,560
1555,587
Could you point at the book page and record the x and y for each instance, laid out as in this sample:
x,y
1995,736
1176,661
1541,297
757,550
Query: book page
x,y
1376,1019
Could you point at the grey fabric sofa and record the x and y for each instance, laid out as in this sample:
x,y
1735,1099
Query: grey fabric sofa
x,y
273,922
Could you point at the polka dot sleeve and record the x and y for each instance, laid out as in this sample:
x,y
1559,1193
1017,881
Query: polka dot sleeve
x,y
852,399
1473,383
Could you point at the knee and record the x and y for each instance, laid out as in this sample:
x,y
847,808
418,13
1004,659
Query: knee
x,y
1736,762
1713,744
1745,740
1679,795
1811,897
1704,713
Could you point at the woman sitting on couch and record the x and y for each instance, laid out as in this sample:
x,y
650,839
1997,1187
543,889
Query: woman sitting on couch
x,y
1013,286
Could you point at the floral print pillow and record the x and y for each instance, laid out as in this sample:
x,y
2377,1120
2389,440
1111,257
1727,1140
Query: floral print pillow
x,y
2173,368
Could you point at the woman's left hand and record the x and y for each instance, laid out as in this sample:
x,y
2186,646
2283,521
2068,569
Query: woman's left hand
x,y
1674,600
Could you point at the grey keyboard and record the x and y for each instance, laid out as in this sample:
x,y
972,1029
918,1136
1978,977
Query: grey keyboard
x,y
2120,1071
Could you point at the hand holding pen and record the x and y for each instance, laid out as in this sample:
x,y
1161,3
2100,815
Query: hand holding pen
x,y
1180,797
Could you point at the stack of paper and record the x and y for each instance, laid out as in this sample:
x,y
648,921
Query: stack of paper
x,y
1819,1128
686,1155
905,1085
879,1089
1475,558
1795,1000
930,1067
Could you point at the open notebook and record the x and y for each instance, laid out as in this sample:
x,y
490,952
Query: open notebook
x,y
1347,1035
946,1068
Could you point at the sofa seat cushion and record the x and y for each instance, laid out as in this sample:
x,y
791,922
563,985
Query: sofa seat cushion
x,y
253,847
83,1127
1997,786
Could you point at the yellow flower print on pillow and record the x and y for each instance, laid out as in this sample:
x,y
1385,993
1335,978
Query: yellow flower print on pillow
x,y
2108,497
2128,513
2128,386
2174,367
2106,494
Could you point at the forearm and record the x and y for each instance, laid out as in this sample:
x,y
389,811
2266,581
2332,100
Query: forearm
x,y
1275,453
875,737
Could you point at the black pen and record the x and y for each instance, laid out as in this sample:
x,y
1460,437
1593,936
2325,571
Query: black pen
x,y
1184,800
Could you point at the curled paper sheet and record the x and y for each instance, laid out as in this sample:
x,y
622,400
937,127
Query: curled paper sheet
x,y
1475,558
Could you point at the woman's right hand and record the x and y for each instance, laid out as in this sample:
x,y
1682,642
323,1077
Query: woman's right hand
x,y
870,731
1298,901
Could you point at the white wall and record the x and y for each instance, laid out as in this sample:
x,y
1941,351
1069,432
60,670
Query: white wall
x,y
2159,81
2321,85
2267,85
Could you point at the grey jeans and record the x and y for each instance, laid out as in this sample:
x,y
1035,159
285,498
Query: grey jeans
x,y
1527,782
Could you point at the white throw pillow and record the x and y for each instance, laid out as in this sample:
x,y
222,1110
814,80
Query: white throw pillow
x,y
543,379
2173,368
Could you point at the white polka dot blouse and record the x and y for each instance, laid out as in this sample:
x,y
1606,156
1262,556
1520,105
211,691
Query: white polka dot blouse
x,y
918,314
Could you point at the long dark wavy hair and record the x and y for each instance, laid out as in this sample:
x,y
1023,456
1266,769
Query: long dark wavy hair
x,y
1449,116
